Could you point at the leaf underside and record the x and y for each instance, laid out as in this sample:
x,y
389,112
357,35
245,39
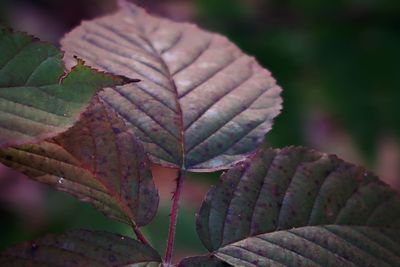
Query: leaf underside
x,y
81,248
97,160
299,207
37,99
202,104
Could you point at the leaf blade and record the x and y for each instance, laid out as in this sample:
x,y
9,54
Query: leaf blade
x,y
293,187
98,161
298,207
81,248
37,99
330,245
189,77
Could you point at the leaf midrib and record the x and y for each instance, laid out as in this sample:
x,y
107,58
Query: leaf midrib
x,y
176,97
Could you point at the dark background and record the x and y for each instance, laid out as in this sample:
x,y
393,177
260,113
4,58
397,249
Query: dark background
x,y
337,61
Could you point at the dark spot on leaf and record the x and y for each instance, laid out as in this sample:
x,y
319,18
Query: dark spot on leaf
x,y
112,258
116,130
143,165
146,191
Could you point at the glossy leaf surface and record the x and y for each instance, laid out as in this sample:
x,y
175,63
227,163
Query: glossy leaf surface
x,y
290,189
81,248
99,161
37,99
202,104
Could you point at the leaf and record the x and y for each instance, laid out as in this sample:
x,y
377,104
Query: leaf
x,y
276,193
37,99
81,248
202,261
202,104
98,161
316,246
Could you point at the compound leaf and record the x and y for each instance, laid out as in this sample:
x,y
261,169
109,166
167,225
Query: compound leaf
x,y
81,248
202,104
97,160
37,99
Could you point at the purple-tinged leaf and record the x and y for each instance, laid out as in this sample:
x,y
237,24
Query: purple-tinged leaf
x,y
280,206
316,246
81,248
202,103
97,160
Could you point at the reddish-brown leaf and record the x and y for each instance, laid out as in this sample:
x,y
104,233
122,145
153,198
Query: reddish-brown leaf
x,y
99,161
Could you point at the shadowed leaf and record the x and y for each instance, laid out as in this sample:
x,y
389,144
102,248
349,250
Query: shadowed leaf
x,y
317,246
202,104
202,261
81,248
277,193
37,99
99,161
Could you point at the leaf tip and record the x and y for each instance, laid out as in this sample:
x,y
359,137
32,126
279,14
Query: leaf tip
x,y
117,79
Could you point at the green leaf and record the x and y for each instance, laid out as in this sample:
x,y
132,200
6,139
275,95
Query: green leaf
x,y
97,160
37,99
81,248
202,104
277,192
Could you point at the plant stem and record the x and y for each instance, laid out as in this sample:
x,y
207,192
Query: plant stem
x,y
140,236
174,214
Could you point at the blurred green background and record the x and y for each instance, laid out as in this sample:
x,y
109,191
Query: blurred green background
x,y
337,61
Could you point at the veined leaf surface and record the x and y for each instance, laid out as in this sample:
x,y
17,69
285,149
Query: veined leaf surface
x,y
97,160
299,207
202,104
81,248
37,99
317,246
